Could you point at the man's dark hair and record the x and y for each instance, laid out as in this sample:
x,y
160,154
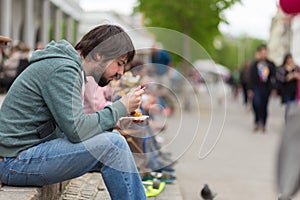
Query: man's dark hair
x,y
109,41
261,47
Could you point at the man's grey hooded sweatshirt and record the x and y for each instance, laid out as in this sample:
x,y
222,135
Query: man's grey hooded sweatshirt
x,y
45,102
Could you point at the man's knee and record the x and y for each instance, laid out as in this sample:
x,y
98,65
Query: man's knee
x,y
106,141
116,139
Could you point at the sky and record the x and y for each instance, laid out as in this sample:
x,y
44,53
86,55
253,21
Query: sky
x,y
250,18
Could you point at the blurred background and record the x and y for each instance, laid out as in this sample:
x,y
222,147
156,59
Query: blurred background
x,y
229,30
209,42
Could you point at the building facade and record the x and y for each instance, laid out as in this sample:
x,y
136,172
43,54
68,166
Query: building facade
x,y
40,21
33,21
280,37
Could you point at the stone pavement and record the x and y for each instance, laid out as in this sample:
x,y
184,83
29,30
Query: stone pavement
x,y
88,186
49,192
17,193
91,187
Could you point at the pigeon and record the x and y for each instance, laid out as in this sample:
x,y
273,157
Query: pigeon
x,y
207,194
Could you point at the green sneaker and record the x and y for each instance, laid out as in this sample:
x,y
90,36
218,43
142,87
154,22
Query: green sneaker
x,y
150,186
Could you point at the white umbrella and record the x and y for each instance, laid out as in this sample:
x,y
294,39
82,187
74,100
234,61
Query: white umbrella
x,y
206,65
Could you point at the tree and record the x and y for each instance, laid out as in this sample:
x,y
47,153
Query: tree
x,y
233,51
198,19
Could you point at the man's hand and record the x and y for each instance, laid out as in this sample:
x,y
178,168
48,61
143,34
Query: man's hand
x,y
132,100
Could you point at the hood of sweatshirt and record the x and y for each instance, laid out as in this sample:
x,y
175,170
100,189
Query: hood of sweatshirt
x,y
61,49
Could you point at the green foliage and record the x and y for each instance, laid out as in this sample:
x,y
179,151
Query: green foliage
x,y
63,27
198,19
234,51
51,30
74,28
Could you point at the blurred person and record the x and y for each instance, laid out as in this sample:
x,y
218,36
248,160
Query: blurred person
x,y
3,49
262,81
235,83
176,80
257,55
161,62
158,160
3,55
141,70
244,80
39,45
150,107
249,94
287,163
14,65
4,41
155,159
288,76
45,136
95,97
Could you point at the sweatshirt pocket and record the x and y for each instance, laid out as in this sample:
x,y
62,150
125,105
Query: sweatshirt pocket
x,y
46,129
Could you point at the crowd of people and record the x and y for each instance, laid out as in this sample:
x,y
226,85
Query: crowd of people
x,y
12,62
258,80
261,78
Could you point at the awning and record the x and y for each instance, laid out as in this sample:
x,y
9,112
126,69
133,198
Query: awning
x,y
211,66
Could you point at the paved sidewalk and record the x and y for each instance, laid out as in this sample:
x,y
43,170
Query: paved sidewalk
x,y
91,187
88,186
241,165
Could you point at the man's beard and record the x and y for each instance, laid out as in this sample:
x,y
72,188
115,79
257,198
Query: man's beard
x,y
103,81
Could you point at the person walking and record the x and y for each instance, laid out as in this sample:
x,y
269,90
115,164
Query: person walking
x,y
288,76
261,82
244,80
45,136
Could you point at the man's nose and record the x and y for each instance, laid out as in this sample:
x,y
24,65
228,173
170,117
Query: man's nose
x,y
121,70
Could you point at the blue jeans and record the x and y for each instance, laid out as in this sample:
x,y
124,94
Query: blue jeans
x,y
59,160
260,105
